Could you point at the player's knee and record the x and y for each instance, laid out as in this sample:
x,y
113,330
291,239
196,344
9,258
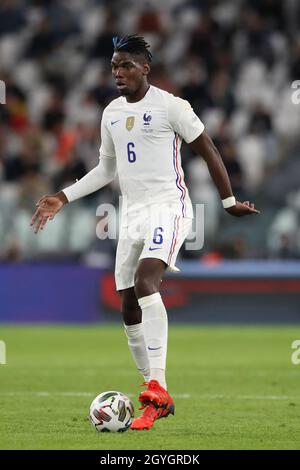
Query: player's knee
x,y
144,285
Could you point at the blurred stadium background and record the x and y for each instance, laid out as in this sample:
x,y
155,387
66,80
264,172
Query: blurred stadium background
x,y
235,62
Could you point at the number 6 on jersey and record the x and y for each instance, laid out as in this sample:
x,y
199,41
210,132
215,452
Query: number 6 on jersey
x,y
130,153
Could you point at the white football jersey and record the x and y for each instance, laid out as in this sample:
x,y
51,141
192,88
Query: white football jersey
x,y
145,138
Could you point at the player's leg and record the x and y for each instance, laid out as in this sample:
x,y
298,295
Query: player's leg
x,y
132,317
155,320
160,251
127,256
156,402
164,235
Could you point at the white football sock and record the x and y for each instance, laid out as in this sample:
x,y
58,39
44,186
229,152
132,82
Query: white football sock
x,y
137,346
155,323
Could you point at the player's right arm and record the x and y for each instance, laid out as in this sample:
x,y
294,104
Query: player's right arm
x,y
48,206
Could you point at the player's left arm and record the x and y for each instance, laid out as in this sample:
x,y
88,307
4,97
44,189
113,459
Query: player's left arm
x,y
204,146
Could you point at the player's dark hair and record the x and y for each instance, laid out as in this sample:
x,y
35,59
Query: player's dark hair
x,y
133,44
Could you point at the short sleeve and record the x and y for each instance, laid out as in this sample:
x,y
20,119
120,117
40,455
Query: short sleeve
x,y
184,120
107,147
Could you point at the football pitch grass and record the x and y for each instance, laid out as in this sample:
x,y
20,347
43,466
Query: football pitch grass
x,y
233,388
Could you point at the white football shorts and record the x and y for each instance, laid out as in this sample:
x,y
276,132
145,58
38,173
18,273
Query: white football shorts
x,y
159,237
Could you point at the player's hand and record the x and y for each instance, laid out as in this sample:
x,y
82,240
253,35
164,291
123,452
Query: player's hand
x,y
47,208
242,208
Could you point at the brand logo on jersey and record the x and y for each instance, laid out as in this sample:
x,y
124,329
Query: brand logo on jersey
x,y
114,122
147,119
152,249
130,123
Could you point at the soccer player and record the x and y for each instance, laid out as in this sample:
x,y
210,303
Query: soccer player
x,y
141,135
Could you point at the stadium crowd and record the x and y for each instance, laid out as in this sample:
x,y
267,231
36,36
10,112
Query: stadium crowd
x,y
233,60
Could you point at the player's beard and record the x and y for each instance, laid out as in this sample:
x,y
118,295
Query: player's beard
x,y
125,91
129,91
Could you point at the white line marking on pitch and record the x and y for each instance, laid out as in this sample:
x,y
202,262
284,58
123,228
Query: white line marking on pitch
x,y
184,396
74,394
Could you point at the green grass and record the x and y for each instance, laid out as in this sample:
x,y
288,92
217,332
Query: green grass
x,y
233,387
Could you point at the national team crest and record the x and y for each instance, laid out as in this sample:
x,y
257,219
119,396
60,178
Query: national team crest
x,y
130,123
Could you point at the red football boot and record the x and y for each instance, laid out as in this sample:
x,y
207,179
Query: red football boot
x,y
156,403
146,420
157,395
